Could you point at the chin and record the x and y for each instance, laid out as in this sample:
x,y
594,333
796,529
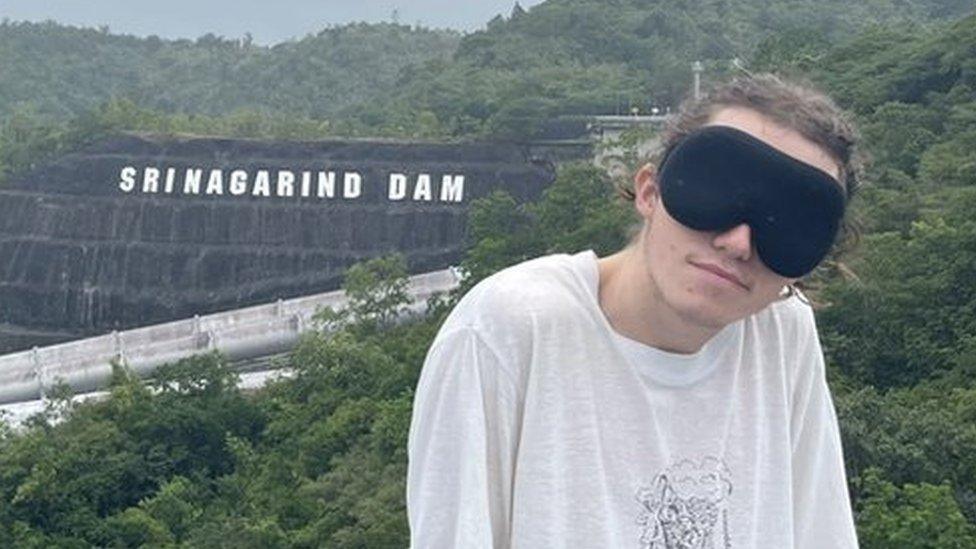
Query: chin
x,y
709,314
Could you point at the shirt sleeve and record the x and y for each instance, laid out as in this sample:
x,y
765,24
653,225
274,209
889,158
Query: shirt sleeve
x,y
822,514
461,447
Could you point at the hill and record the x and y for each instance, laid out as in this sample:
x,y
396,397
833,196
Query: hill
x,y
61,71
561,57
567,57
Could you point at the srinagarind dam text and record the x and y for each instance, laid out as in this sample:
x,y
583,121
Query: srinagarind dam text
x,y
421,187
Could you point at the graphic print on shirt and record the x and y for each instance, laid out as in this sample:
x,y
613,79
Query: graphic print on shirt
x,y
686,506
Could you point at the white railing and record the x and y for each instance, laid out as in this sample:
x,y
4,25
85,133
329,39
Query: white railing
x,y
86,365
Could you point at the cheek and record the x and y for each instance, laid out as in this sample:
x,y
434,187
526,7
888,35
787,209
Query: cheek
x,y
669,238
661,262
664,253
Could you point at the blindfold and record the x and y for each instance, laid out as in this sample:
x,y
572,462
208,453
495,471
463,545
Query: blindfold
x,y
718,177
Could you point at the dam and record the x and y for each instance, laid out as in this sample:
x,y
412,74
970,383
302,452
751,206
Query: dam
x,y
141,229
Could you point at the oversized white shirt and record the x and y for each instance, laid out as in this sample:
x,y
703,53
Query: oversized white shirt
x,y
537,425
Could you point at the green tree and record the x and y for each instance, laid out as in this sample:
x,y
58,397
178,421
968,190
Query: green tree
x,y
921,516
898,134
376,290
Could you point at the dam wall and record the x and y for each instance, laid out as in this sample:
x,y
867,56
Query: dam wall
x,y
141,229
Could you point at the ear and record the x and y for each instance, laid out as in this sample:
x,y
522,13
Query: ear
x,y
647,194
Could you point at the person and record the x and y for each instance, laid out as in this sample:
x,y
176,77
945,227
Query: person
x,y
672,394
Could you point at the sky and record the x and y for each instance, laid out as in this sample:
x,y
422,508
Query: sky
x,y
269,22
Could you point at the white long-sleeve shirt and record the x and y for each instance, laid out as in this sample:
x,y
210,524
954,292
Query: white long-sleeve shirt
x,y
536,425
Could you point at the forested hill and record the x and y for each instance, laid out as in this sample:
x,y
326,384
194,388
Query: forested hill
x,y
568,57
59,70
560,57
654,41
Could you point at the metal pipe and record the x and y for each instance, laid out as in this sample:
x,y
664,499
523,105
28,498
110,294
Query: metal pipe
x,y
86,365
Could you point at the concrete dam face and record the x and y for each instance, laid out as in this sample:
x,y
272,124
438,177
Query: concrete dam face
x,y
141,229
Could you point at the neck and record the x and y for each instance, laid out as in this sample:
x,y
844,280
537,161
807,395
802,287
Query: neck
x,y
633,305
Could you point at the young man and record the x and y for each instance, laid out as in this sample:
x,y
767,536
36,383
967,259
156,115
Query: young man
x,y
671,395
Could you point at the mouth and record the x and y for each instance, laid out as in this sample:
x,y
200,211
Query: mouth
x,y
715,269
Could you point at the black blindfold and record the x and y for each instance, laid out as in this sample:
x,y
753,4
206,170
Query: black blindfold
x,y
719,177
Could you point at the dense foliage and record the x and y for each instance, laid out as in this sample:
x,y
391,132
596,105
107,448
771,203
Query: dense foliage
x,y
60,70
562,57
318,459
583,56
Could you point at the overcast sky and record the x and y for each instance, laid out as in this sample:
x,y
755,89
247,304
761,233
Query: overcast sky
x,y
268,22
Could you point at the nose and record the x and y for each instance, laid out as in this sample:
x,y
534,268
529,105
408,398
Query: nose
x,y
736,242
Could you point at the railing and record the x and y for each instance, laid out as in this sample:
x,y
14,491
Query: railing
x,y
86,365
